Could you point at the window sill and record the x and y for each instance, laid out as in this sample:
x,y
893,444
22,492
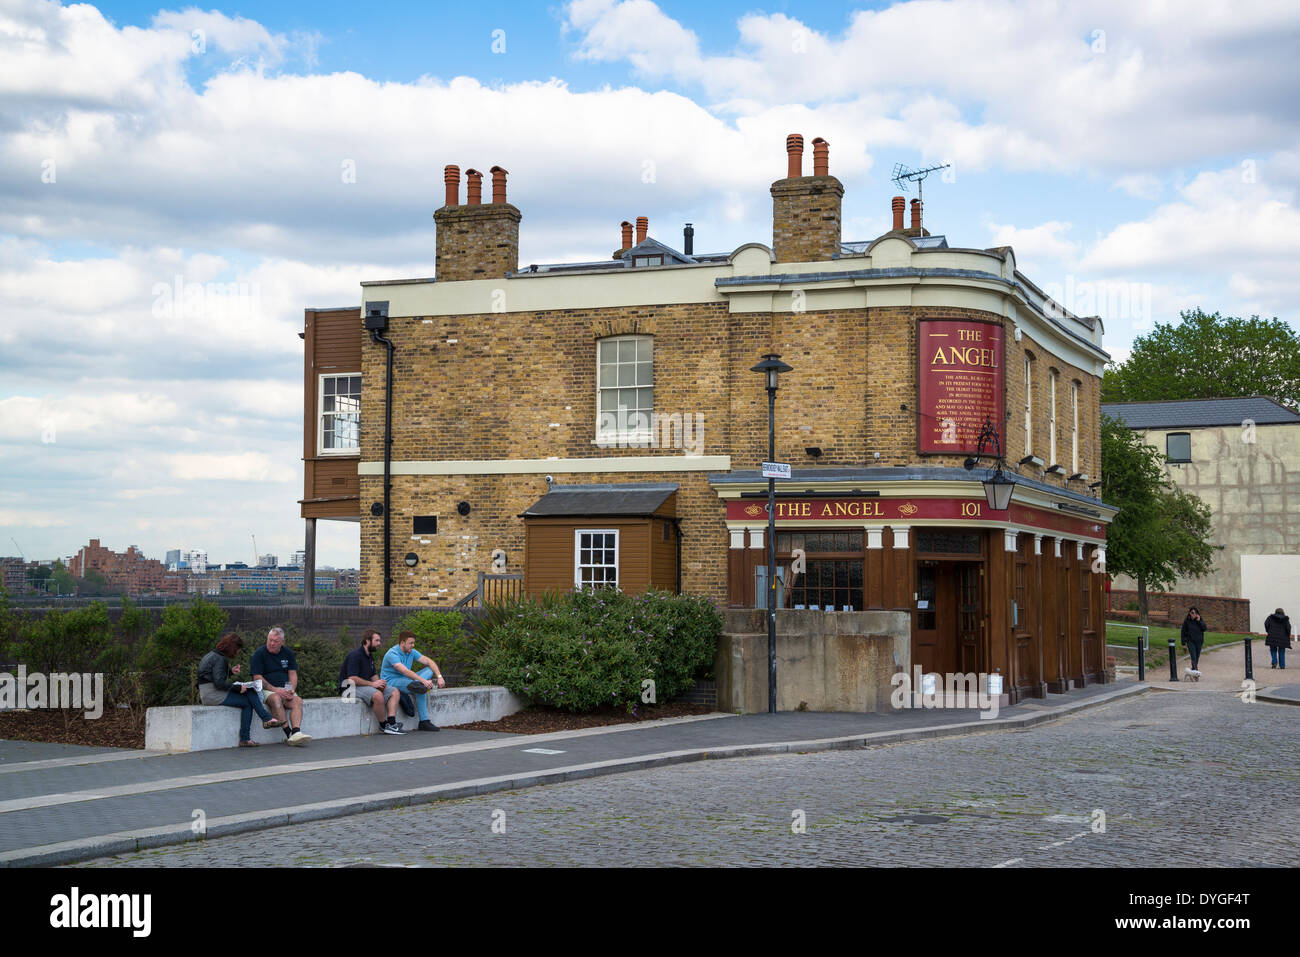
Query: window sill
x,y
338,453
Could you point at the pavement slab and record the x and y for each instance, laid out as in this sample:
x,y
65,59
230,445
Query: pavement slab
x,y
59,811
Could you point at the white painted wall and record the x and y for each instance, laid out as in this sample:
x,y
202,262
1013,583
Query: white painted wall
x,y
1271,582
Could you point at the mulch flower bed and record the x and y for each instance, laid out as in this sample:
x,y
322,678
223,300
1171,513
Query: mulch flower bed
x,y
115,728
545,720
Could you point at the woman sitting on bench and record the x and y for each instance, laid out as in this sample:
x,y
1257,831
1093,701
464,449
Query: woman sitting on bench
x,y
216,688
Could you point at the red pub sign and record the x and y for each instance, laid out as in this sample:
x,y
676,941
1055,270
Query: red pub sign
x,y
903,511
962,384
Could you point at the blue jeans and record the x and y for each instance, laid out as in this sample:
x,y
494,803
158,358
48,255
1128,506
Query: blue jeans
x,y
401,682
1279,656
249,702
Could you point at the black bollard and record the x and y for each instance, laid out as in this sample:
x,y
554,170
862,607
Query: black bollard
x,y
1142,660
1250,669
1173,660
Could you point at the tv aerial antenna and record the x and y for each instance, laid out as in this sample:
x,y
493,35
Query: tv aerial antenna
x,y
905,175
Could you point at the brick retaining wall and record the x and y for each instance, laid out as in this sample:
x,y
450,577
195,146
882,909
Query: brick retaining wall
x,y
1220,614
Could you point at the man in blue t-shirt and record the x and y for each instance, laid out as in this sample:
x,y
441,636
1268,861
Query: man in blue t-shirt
x,y
399,671
276,668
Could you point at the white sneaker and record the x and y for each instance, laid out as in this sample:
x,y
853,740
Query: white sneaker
x,y
298,739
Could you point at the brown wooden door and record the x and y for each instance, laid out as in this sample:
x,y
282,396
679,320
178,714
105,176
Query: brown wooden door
x,y
969,618
934,636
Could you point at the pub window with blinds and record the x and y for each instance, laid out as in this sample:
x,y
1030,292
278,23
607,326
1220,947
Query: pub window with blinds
x,y
832,577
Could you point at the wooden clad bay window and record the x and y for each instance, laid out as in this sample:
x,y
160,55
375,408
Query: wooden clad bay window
x,y
340,414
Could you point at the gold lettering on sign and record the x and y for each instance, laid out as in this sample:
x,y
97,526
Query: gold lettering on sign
x,y
970,509
964,356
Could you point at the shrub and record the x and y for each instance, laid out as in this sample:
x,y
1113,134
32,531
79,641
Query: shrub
x,y
66,641
319,661
441,635
596,648
170,658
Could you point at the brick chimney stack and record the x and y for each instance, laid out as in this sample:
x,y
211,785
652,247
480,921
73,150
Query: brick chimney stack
x,y
806,209
479,240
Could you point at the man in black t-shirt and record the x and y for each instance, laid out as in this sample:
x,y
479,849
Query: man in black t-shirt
x,y
357,679
276,667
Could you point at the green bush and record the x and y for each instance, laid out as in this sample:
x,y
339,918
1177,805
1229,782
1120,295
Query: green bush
x,y
441,635
170,658
66,641
319,661
596,648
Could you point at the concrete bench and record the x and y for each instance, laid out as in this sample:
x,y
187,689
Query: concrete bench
x,y
204,727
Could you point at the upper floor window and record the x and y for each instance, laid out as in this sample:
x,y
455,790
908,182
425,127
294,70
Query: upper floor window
x,y
340,414
624,387
1029,404
648,261
1074,427
1051,417
1178,447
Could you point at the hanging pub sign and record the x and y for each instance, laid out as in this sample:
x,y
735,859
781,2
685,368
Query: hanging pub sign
x,y
962,383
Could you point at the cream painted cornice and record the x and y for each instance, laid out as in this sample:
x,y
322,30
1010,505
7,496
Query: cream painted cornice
x,y
627,463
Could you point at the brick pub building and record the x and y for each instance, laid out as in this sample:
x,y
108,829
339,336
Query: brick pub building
x,y
599,423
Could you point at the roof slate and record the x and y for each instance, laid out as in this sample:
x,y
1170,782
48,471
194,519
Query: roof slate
x,y
636,499
1199,413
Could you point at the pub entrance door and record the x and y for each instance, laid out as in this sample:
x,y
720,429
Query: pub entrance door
x,y
949,615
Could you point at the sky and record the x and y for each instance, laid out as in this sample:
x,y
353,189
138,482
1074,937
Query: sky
x,y
1141,158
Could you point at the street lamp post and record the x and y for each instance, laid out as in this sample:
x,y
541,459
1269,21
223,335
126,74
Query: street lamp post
x,y
771,367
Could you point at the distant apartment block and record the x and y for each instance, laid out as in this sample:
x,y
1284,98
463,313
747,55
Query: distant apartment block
x,y
128,571
13,575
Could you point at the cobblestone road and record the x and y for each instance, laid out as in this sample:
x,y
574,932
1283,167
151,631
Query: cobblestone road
x,y
1183,779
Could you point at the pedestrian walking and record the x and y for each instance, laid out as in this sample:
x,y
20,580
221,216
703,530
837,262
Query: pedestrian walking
x,y
1193,639
1277,631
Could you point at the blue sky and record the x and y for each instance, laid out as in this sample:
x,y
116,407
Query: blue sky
x,y
1141,158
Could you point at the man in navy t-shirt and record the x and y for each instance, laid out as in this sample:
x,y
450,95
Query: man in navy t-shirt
x,y
358,673
276,667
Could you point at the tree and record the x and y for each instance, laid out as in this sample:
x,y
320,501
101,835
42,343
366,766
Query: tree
x,y
1208,357
61,580
1161,531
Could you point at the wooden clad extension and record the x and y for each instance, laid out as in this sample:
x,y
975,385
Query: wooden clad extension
x,y
331,346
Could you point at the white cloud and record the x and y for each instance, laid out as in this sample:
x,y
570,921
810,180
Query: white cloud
x,y
1141,185
1035,244
232,467
1114,84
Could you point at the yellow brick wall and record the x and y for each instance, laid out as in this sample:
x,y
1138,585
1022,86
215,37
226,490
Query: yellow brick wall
x,y
523,386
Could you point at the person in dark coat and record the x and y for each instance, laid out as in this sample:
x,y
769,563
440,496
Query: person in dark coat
x,y
1277,629
1194,636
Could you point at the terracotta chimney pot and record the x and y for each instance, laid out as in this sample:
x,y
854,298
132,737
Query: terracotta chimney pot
x,y
794,155
642,227
916,214
900,206
451,176
498,184
821,157
627,234
473,188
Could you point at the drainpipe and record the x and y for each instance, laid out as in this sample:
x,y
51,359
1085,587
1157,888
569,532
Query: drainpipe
x,y
677,523
377,322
